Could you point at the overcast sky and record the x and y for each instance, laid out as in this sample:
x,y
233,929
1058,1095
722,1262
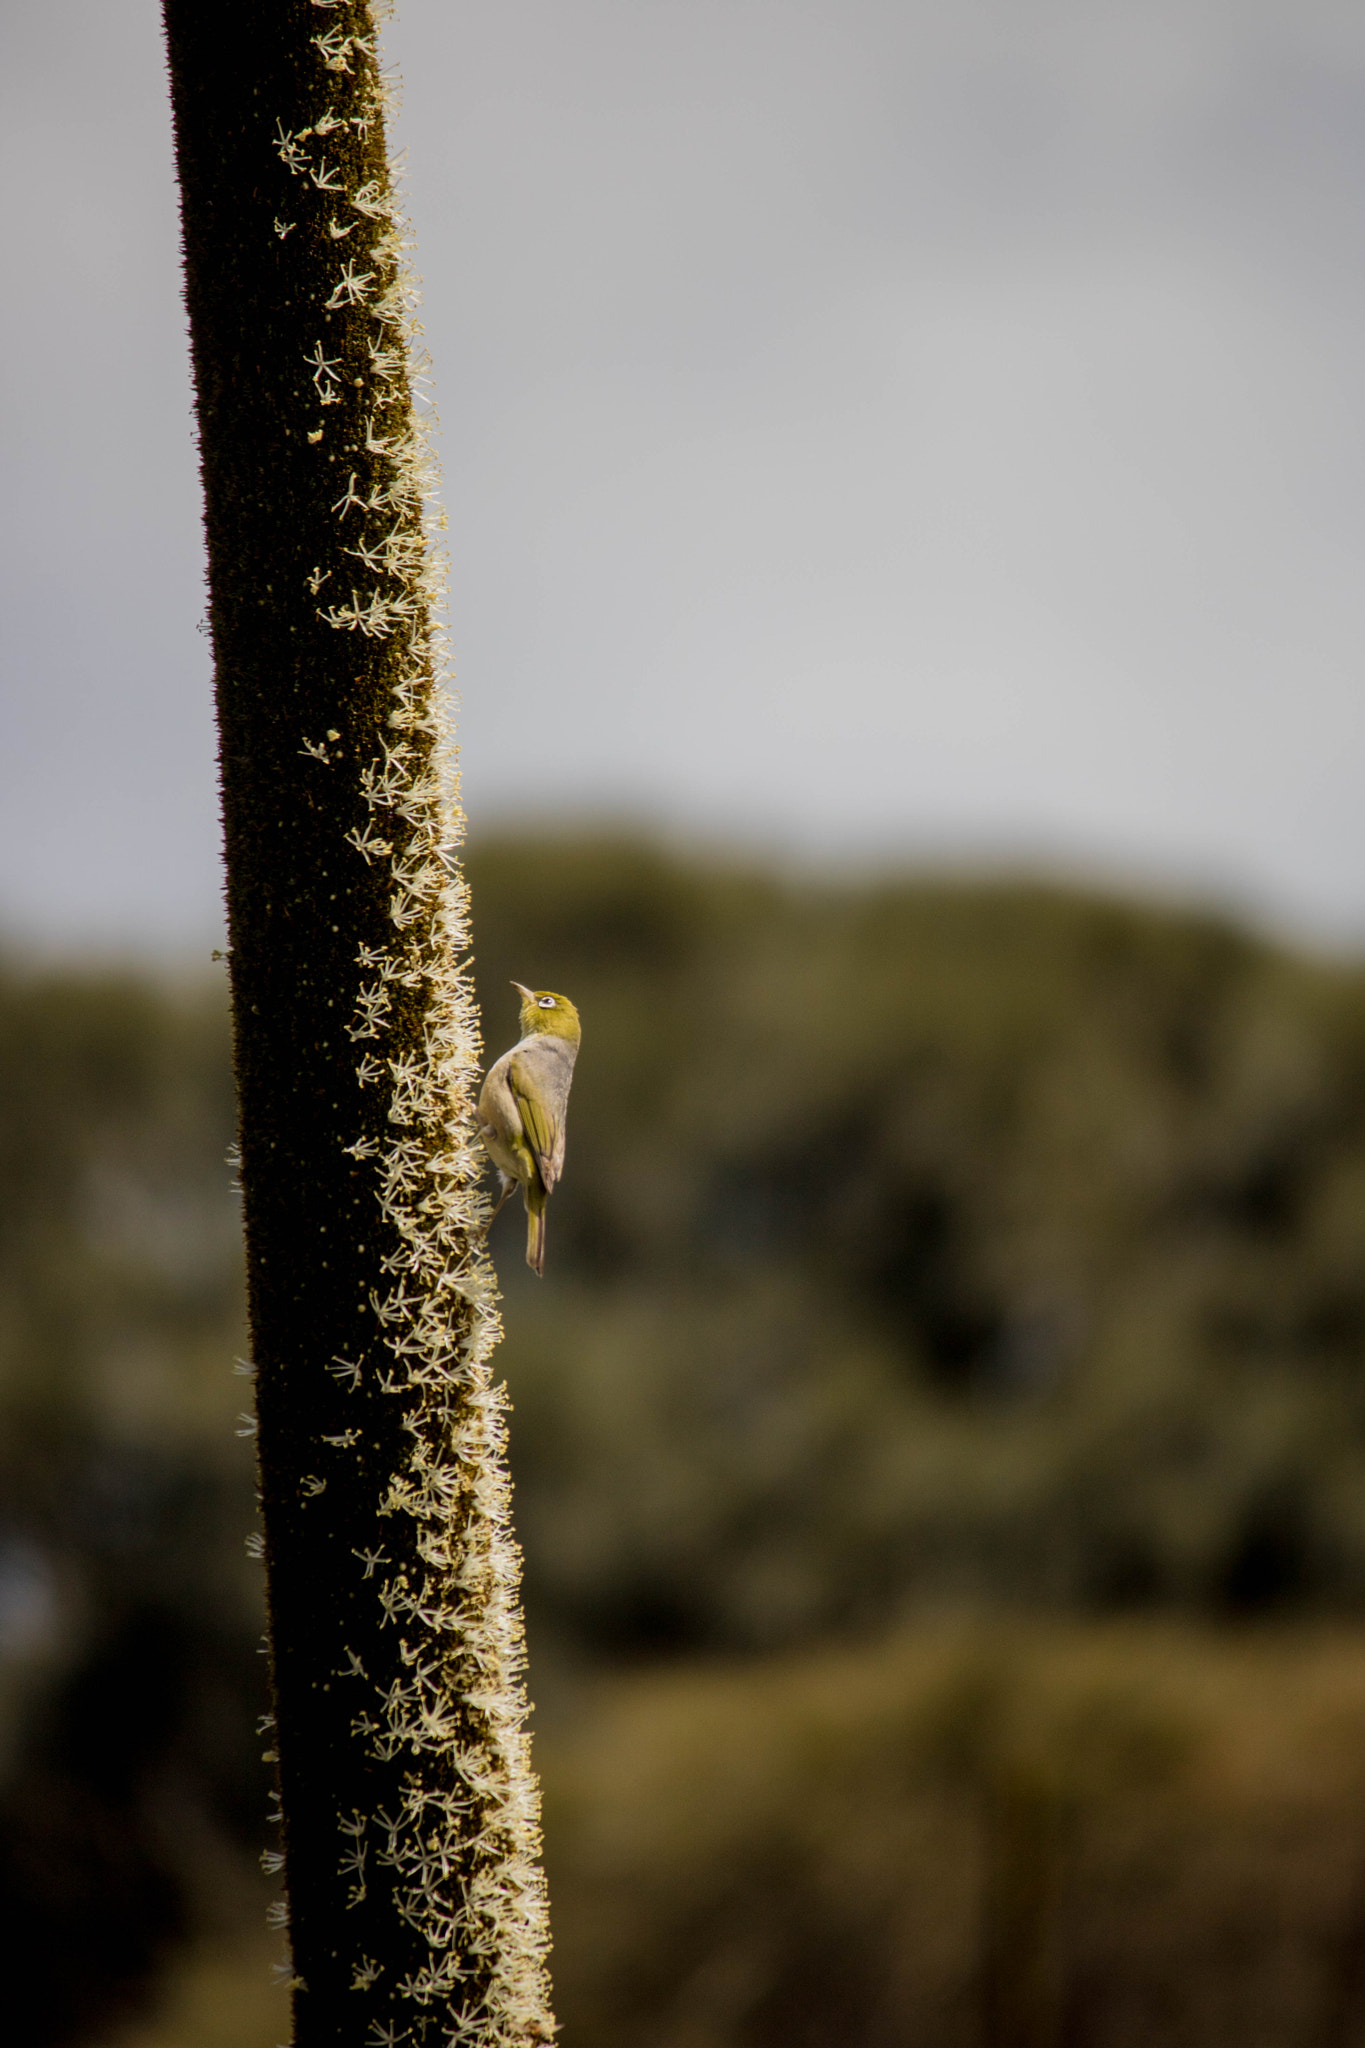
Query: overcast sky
x,y
871,428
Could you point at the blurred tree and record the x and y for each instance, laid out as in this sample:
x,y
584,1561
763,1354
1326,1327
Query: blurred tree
x,y
932,1242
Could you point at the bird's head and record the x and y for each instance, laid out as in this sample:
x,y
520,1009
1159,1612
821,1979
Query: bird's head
x,y
543,1011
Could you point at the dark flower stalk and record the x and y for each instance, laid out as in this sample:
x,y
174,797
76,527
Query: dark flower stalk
x,y
410,1813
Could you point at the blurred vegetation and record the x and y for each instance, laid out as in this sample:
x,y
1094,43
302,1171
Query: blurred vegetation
x,y
926,1242
129,1614
968,1836
925,1250
971,1837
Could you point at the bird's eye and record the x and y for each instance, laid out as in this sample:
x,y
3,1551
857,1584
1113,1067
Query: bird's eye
x,y
546,1002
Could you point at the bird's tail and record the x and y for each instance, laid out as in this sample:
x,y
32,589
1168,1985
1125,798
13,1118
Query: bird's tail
x,y
535,1229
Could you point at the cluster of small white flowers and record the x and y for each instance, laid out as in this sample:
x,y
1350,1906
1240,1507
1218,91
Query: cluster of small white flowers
x,y
464,1862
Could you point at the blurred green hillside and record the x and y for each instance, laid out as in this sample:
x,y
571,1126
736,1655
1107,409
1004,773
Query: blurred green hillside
x,y
927,1243
924,1251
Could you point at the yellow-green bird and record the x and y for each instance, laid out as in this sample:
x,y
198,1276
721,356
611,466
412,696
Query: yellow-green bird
x,y
523,1104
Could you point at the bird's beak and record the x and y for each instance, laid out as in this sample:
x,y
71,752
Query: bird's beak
x,y
528,993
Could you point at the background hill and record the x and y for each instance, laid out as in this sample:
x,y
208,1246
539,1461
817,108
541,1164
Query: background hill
x,y
926,1242
930,1256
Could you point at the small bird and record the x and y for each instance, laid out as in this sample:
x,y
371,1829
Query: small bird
x,y
523,1104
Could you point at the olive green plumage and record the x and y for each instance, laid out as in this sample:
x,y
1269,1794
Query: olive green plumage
x,y
523,1105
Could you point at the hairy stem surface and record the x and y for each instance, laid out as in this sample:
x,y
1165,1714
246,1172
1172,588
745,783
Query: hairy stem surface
x,y
410,1813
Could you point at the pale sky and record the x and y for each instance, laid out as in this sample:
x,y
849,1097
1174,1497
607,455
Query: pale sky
x,y
872,428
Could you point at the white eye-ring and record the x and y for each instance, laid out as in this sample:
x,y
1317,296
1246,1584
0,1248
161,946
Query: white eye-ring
x,y
546,1002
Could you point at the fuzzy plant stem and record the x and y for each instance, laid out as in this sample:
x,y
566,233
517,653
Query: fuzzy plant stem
x,y
410,1846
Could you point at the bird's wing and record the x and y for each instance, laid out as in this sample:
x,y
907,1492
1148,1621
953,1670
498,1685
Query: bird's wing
x,y
541,1105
